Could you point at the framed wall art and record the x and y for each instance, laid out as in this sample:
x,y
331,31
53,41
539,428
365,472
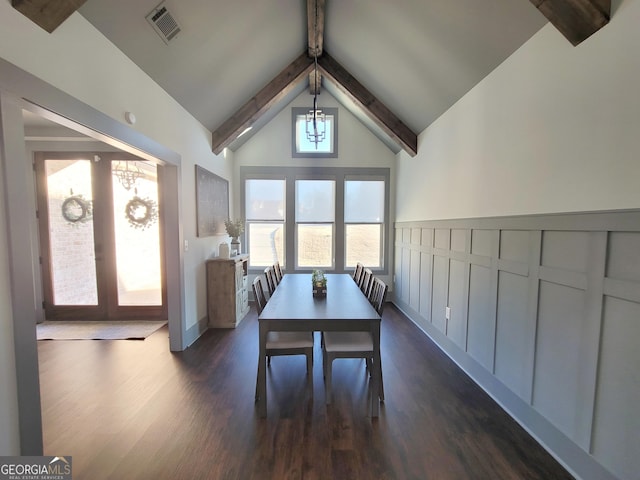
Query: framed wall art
x,y
212,203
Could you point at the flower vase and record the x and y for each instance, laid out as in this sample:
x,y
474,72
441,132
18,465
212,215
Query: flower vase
x,y
235,246
319,290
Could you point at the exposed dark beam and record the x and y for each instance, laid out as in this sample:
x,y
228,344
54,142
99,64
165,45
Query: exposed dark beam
x,y
48,14
370,105
274,91
315,26
576,19
314,82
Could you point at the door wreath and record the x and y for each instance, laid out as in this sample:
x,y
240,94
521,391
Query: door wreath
x,y
141,212
76,209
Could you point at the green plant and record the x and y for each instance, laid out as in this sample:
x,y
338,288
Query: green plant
x,y
235,228
318,278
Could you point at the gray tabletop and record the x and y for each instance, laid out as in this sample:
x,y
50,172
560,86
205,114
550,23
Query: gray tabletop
x,y
293,300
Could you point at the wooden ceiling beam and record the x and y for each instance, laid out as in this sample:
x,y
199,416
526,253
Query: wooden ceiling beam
x,y
576,19
370,105
268,96
48,14
315,26
315,79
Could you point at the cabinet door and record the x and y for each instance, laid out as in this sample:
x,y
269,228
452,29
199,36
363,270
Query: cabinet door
x,y
239,276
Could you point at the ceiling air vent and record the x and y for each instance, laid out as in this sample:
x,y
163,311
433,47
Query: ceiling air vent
x,y
163,23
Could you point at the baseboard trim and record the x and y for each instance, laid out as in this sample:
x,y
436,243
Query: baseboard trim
x,y
194,332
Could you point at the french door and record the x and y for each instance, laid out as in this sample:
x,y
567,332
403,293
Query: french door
x,y
100,248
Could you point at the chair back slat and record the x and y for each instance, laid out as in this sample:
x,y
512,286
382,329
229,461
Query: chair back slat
x,y
258,293
277,270
270,277
357,273
378,294
373,291
365,284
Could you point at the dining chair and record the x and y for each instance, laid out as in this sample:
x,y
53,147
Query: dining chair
x,y
352,344
365,282
378,294
357,273
282,343
269,275
278,273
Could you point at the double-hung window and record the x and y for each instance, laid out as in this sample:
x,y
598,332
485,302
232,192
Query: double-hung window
x,y
315,223
265,216
364,202
316,217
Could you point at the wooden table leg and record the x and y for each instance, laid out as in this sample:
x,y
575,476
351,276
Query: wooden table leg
x,y
262,371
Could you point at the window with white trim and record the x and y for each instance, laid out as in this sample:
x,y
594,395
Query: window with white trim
x,y
318,217
364,202
265,217
303,146
315,221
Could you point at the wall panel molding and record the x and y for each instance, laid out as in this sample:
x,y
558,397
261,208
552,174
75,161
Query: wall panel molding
x,y
529,298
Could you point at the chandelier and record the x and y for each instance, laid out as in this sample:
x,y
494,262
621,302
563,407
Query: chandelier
x,y
315,122
126,174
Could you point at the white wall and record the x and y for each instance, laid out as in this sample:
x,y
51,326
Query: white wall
x,y
553,129
77,59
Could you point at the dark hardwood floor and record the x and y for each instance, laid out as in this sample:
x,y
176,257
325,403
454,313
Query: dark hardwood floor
x,y
133,410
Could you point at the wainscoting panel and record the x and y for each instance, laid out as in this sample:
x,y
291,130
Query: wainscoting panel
x,y
482,317
624,260
514,246
458,295
617,422
414,280
545,316
426,274
440,292
406,275
483,242
459,240
512,335
557,393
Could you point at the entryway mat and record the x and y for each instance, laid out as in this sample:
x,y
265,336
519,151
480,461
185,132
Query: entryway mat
x,y
97,330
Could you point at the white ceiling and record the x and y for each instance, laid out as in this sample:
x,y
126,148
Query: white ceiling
x,y
418,57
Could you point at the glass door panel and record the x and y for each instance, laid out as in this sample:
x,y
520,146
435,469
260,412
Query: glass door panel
x,y
71,235
99,237
137,236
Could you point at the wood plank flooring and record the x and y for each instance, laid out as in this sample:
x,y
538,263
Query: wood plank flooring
x,y
133,410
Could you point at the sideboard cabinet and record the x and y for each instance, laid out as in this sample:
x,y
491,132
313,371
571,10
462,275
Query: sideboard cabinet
x,y
227,294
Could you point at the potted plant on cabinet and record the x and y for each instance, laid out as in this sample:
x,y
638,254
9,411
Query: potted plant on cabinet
x,y
235,228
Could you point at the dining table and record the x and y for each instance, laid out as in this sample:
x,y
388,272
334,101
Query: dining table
x,y
293,307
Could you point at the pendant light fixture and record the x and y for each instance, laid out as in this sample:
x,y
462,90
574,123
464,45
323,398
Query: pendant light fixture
x,y
315,123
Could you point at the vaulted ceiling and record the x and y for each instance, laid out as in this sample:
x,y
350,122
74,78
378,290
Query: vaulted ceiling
x,y
396,64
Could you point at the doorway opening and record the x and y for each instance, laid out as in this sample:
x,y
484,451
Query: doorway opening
x,y
100,243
